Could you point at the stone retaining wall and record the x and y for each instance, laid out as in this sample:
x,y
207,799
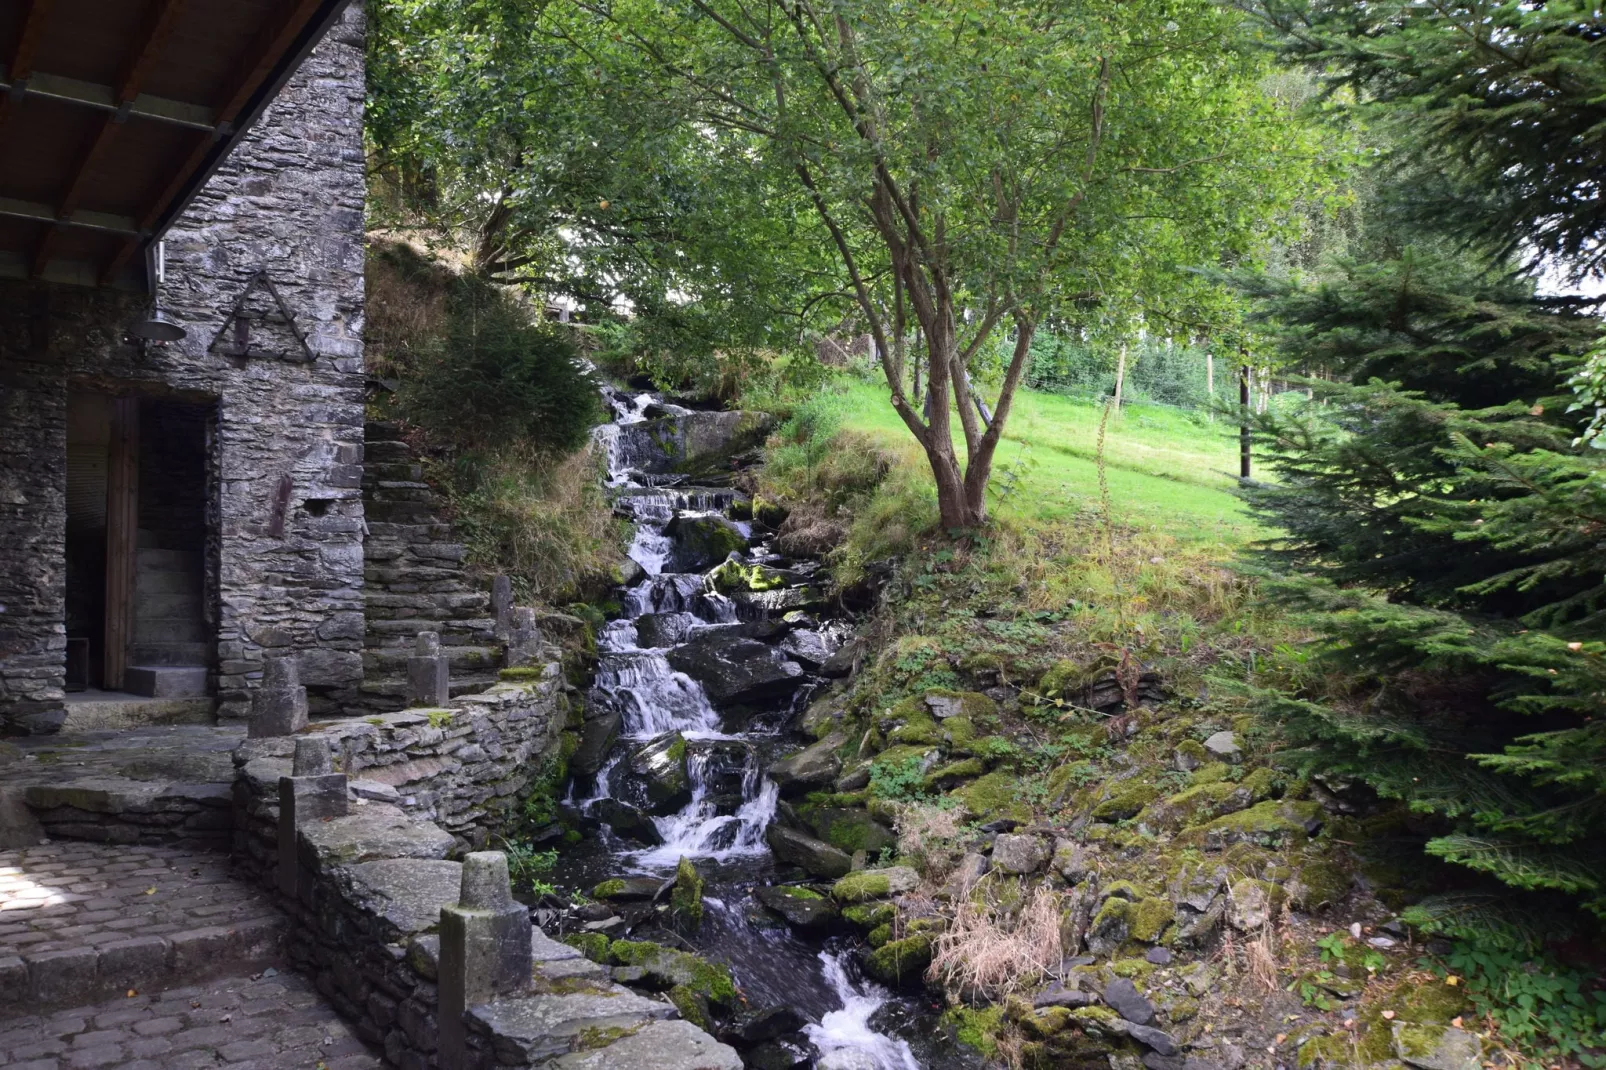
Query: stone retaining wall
x,y
462,768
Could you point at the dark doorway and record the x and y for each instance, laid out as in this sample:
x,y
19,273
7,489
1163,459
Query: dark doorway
x,y
138,613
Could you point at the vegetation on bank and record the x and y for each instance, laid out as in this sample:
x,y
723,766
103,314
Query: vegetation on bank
x,y
501,408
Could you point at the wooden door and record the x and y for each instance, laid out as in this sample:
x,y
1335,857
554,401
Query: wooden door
x,y
122,521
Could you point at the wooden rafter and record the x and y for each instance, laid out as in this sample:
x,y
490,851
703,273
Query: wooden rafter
x,y
19,64
160,18
254,67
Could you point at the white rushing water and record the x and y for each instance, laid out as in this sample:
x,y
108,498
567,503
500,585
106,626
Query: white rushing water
x,y
847,1031
654,699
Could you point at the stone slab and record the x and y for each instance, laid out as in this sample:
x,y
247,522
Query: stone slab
x,y
369,833
656,1046
542,1027
406,893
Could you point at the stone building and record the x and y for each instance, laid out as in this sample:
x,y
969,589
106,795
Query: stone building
x,y
171,512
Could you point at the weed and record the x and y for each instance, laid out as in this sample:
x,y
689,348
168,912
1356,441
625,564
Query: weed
x,y
526,867
993,951
900,782
1534,1002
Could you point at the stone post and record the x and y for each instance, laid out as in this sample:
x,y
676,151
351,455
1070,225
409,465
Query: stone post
x,y
485,949
312,792
524,642
502,606
279,706
429,675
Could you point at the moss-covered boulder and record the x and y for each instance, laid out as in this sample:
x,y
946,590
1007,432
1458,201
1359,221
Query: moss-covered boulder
x,y
700,542
952,774
869,916
996,796
1124,799
898,962
869,884
815,857
803,908
814,768
732,576
686,898
848,829
593,946
664,969
627,889
1195,806
1274,823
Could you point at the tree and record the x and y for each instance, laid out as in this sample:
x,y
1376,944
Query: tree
x,y
981,167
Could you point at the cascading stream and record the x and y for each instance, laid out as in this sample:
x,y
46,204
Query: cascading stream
x,y
666,716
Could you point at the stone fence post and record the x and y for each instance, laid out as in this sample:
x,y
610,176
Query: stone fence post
x,y
524,641
502,606
279,706
312,792
485,949
429,674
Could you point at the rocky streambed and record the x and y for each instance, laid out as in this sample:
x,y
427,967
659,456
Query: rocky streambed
x,y
700,880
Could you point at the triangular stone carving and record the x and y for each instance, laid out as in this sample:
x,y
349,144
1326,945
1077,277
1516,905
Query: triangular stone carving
x,y
234,336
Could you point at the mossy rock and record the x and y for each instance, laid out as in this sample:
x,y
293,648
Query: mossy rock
x,y
959,733
869,884
1319,882
1272,824
1195,806
733,576
1148,919
918,730
1125,799
593,946
870,915
1262,783
894,758
848,830
769,512
1121,889
994,797
1190,754
953,774
1213,773
686,898
1045,1023
666,969
693,1006
976,1028
1133,969
880,935
899,961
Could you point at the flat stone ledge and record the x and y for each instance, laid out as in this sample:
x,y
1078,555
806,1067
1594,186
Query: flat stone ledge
x,y
405,893
537,1028
674,1045
370,833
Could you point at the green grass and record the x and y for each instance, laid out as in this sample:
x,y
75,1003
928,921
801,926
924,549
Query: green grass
x,y
1167,469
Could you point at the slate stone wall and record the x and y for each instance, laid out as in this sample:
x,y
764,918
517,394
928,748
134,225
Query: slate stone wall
x,y
290,200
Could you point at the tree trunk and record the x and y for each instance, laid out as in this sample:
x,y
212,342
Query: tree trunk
x,y
1120,378
1243,422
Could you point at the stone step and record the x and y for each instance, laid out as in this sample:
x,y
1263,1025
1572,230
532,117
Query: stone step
x,y
456,633
392,512
387,451
148,582
390,693
195,653
430,553
167,560
157,606
453,600
91,713
166,681
413,576
409,471
411,533
381,429
161,630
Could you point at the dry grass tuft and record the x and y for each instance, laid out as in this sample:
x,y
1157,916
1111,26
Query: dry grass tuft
x,y
1261,956
927,836
988,952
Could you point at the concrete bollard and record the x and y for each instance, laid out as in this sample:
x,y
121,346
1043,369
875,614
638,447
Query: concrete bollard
x,y
279,706
502,606
312,792
485,949
524,642
429,675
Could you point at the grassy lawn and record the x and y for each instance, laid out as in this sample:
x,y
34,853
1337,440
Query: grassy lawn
x,y
1166,469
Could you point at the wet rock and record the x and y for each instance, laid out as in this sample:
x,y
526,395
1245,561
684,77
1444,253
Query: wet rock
x,y
1429,1049
597,736
1124,999
813,768
898,962
752,1027
1223,747
802,908
783,1053
737,671
808,648
628,821
625,889
846,1059
661,765
701,542
661,630
811,855
840,664
1019,854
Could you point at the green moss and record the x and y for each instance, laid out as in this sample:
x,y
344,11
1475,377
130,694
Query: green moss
x,y
1132,969
768,512
1040,1025
1214,773
849,830
1149,918
869,915
917,730
1262,783
686,899
899,960
1125,800
1062,679
677,750
593,946
953,774
1122,890
994,796
693,1007
1193,749
857,887
667,967
733,576
608,889
522,672
879,935
977,1029
1272,823
1195,805
1095,1017
959,733
594,1037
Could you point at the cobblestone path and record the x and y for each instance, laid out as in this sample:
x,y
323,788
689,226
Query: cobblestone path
x,y
129,931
